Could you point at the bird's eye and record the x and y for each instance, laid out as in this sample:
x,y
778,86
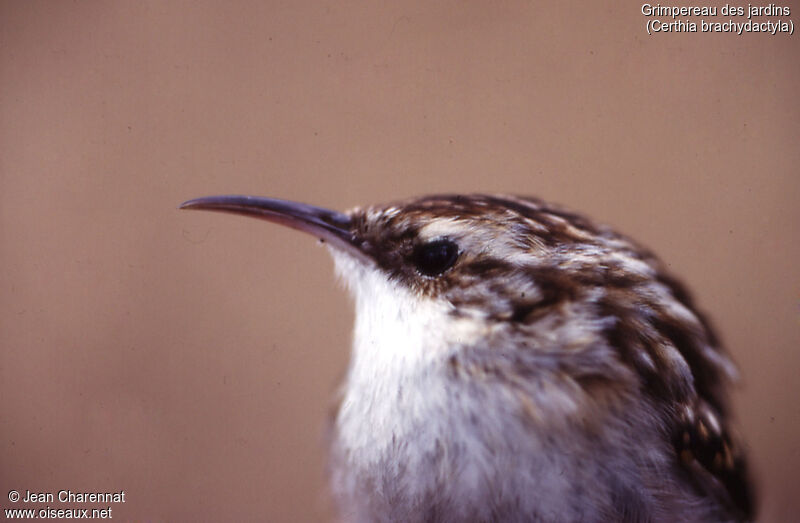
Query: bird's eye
x,y
433,258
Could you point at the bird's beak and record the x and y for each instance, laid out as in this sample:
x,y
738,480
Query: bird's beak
x,y
331,226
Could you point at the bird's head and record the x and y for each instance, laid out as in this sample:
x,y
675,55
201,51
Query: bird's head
x,y
480,255
442,272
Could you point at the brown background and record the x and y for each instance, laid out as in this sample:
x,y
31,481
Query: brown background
x,y
188,358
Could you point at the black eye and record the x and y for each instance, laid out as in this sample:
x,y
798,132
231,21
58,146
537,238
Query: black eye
x,y
433,258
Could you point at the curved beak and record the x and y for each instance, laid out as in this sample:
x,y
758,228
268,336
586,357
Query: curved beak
x,y
331,226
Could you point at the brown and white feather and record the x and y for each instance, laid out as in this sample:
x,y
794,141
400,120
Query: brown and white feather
x,y
551,336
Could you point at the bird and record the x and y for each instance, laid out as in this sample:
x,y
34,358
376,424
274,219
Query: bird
x,y
513,360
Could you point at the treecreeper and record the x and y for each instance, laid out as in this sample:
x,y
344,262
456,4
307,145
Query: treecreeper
x,y
515,361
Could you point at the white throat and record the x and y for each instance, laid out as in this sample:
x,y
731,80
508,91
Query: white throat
x,y
396,331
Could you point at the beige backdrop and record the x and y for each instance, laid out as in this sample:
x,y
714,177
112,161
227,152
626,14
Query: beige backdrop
x,y
188,358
